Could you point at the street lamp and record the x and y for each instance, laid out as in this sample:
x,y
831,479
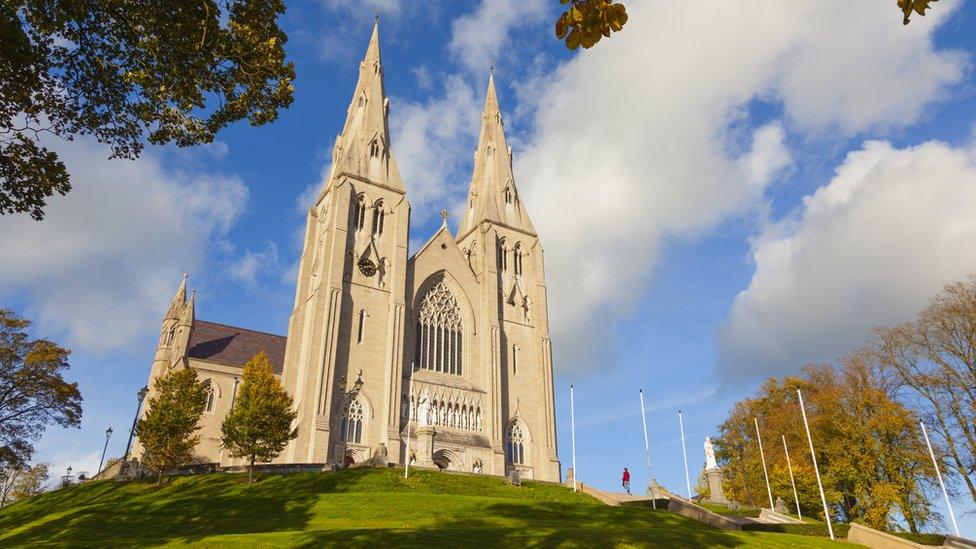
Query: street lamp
x,y
108,434
142,395
66,479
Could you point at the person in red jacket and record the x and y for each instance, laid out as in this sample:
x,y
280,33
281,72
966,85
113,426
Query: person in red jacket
x,y
626,481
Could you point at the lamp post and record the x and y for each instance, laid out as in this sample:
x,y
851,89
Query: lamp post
x,y
142,396
108,434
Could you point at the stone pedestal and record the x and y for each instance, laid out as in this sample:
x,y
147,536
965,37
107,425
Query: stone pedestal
x,y
425,447
716,495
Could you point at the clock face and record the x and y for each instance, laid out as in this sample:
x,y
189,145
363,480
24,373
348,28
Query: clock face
x,y
367,267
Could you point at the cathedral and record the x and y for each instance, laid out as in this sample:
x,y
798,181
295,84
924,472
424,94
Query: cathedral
x,y
442,357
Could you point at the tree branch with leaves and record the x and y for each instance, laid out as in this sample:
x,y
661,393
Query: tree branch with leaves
x,y
33,391
125,72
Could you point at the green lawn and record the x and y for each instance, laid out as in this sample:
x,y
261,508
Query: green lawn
x,y
359,507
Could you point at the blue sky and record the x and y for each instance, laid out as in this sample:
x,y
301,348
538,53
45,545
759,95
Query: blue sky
x,y
722,194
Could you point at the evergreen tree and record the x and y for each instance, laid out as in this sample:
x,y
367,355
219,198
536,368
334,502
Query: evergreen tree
x,y
167,430
259,425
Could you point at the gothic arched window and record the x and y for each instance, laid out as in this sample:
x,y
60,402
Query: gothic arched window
x,y
515,449
508,195
374,148
378,218
518,258
502,256
351,428
208,396
359,214
439,342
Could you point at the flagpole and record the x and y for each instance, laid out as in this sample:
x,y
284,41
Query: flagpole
x,y
762,456
813,456
647,450
406,468
572,423
684,452
796,498
952,515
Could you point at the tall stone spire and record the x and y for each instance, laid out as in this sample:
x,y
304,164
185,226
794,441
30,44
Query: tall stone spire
x,y
362,150
179,300
493,195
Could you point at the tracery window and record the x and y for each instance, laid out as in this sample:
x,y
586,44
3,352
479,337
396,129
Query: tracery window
x,y
351,428
208,396
439,343
515,450
508,195
378,218
374,148
359,215
518,258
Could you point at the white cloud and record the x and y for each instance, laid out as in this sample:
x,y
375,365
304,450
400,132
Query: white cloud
x,y
479,38
868,249
250,265
638,138
107,258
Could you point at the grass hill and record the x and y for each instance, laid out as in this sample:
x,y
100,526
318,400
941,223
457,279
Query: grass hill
x,y
358,507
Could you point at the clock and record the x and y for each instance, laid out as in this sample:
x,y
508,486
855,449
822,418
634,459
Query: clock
x,y
367,267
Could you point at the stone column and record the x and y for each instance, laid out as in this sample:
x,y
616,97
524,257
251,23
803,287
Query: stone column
x,y
425,447
716,495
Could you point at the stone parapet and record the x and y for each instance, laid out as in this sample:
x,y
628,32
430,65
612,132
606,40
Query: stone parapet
x,y
688,509
877,539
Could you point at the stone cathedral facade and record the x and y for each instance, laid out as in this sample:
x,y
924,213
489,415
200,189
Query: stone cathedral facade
x,y
448,349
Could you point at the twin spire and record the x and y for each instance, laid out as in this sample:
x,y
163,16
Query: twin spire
x,y
493,195
362,150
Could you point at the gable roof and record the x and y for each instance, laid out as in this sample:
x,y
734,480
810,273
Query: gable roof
x,y
233,346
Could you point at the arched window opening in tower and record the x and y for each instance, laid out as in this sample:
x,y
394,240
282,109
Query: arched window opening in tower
x,y
502,256
508,195
378,218
362,326
515,449
351,428
359,213
374,148
208,396
518,259
439,332
515,358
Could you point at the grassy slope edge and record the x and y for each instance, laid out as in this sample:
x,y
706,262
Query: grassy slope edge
x,y
359,507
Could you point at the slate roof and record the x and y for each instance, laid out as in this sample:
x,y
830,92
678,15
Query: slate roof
x,y
233,346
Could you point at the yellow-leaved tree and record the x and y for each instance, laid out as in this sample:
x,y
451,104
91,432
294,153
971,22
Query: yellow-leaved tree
x,y
259,426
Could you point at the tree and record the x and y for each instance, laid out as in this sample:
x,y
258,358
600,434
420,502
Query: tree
x,y
934,361
259,426
166,432
33,392
22,482
869,448
122,71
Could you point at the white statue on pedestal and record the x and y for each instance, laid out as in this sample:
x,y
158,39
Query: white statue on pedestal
x,y
710,454
424,410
